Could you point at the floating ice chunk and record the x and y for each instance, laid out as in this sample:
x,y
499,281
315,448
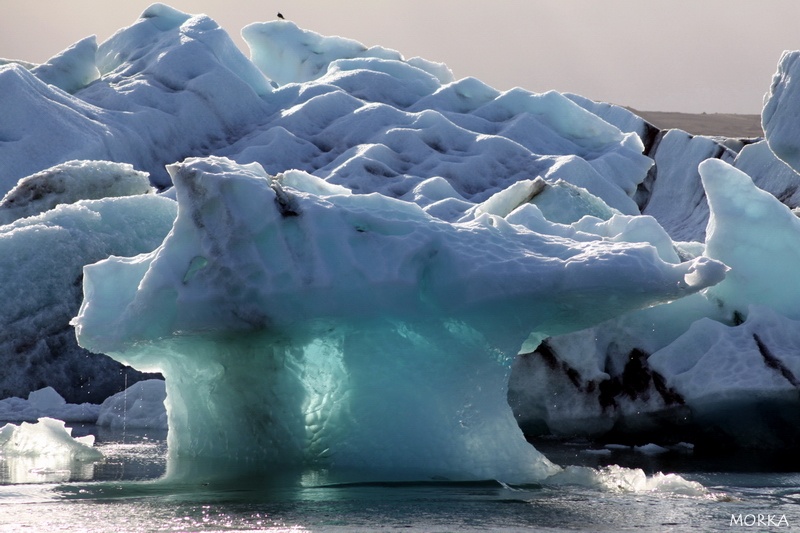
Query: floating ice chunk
x,y
615,478
297,325
46,398
585,382
47,437
595,451
139,406
69,182
46,402
650,449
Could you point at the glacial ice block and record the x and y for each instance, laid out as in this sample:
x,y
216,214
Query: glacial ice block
x,y
296,325
47,437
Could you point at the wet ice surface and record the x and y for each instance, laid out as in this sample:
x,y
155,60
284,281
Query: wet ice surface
x,y
124,493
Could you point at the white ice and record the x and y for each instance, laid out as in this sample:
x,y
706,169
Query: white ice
x,y
47,437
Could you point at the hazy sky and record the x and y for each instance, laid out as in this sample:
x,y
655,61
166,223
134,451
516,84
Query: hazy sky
x,y
654,55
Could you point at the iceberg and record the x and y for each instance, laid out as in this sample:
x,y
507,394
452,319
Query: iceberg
x,y
41,261
140,406
718,367
47,437
353,333
45,451
46,403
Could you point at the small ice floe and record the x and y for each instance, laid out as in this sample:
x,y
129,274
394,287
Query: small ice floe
x,y
614,478
650,449
48,437
596,451
45,452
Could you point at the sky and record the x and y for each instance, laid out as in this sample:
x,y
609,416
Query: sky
x,y
691,56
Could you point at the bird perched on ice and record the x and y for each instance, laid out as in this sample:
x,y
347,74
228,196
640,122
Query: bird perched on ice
x,y
280,16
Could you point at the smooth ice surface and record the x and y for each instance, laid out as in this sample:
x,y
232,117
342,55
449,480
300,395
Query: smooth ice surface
x,y
303,322
288,54
770,173
748,225
72,69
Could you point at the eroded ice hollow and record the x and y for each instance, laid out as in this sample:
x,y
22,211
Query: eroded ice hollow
x,y
298,325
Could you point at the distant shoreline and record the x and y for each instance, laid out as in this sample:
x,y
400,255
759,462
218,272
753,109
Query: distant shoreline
x,y
713,124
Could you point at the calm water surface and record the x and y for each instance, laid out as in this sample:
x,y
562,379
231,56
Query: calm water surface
x,y
124,493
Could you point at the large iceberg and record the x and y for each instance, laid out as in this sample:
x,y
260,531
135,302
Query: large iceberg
x,y
353,248
297,323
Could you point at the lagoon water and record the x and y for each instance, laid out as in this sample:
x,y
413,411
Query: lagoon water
x,y
125,493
